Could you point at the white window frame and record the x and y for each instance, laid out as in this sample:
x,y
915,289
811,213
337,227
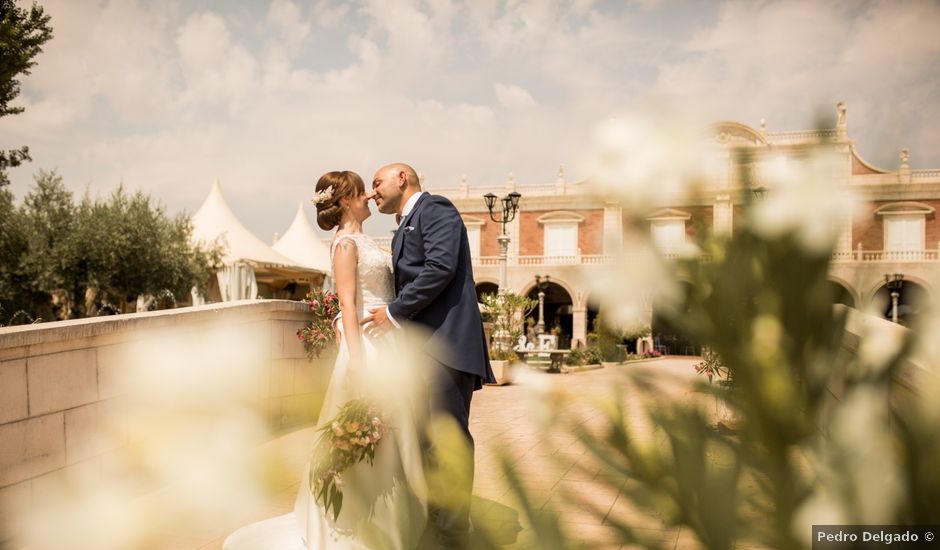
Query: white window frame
x,y
665,218
553,222
474,234
900,217
723,215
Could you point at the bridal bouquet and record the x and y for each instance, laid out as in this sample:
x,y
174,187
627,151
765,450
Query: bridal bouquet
x,y
348,439
319,333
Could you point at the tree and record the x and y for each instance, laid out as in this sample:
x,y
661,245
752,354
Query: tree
x,y
508,311
65,260
13,247
49,262
22,35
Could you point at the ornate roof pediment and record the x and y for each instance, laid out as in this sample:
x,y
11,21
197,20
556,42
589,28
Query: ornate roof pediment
x,y
735,133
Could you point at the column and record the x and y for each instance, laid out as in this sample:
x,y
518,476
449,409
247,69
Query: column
x,y
613,229
579,326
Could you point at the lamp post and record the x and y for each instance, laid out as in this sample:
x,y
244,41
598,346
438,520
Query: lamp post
x,y
894,286
542,285
510,204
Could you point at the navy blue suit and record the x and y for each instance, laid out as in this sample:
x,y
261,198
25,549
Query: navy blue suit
x,y
434,285
435,289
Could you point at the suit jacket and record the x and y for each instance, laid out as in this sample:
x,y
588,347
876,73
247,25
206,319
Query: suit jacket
x,y
434,285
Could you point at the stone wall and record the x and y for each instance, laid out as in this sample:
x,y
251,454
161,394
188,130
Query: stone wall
x,y
63,384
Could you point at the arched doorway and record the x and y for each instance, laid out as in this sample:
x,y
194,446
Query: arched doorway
x,y
486,288
559,312
840,294
913,302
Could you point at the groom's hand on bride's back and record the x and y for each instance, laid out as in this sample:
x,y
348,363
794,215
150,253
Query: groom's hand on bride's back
x,y
377,322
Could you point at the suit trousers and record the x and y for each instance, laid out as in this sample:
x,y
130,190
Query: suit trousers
x,y
451,393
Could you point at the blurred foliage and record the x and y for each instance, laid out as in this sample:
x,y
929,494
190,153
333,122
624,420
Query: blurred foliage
x,y
820,435
62,260
508,312
22,35
607,338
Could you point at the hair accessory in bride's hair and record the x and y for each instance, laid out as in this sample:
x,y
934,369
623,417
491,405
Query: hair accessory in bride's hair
x,y
323,196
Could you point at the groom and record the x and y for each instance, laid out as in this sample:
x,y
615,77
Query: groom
x,y
435,289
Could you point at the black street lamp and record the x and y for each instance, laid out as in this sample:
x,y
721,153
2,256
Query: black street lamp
x,y
894,286
510,205
542,285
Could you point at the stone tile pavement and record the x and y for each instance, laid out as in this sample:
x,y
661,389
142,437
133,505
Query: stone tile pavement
x,y
552,466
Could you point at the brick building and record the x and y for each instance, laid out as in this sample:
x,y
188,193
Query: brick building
x,y
561,228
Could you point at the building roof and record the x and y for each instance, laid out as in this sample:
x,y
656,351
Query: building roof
x,y
302,244
214,219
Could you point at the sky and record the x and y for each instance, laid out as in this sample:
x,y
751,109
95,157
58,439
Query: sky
x,y
164,97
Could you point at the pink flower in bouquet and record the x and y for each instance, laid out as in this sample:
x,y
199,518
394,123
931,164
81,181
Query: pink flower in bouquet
x,y
319,333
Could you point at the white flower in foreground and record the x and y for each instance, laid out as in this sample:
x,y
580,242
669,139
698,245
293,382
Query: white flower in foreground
x,y
880,344
805,200
636,280
863,449
642,159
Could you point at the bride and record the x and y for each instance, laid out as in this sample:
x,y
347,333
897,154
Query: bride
x,y
384,504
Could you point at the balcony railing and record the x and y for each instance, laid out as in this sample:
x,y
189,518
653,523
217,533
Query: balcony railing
x,y
850,256
885,256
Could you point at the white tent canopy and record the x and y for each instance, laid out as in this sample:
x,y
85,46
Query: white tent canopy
x,y
302,244
247,259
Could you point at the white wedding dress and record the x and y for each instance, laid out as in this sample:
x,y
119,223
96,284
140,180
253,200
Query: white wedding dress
x,y
385,504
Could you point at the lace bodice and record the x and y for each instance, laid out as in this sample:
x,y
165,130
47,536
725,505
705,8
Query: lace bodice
x,y
376,283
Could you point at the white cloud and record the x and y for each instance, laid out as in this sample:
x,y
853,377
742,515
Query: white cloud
x,y
167,96
216,69
292,27
513,97
784,60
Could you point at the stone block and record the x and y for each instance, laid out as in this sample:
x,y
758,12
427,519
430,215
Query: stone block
x,y
281,377
13,396
284,341
15,500
31,447
311,376
87,432
61,381
114,371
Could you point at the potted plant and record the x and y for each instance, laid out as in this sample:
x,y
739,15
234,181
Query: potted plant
x,y
507,311
717,372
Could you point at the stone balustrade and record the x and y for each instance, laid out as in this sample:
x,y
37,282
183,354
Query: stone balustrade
x,y
64,384
847,256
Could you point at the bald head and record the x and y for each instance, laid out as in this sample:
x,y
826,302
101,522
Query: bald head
x,y
393,185
398,168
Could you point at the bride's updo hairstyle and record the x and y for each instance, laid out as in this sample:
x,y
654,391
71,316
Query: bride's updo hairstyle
x,y
332,187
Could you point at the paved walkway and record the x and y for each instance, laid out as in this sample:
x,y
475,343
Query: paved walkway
x,y
553,466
